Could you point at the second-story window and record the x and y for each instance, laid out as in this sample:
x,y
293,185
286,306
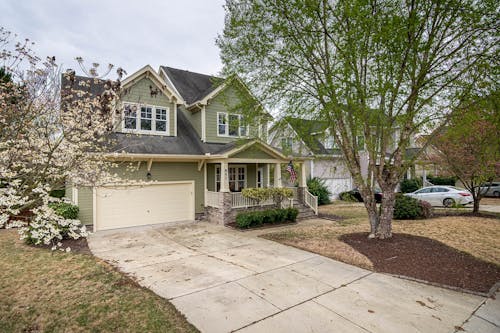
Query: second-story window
x,y
145,119
231,125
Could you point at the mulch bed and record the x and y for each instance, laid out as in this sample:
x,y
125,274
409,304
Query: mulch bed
x,y
76,245
426,259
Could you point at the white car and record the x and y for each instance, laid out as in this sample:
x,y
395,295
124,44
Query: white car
x,y
446,196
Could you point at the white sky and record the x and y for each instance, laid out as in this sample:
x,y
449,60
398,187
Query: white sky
x,y
127,33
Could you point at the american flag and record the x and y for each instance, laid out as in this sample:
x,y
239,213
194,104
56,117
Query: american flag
x,y
291,170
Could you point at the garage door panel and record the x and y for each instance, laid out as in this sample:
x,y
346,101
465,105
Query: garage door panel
x,y
126,206
338,185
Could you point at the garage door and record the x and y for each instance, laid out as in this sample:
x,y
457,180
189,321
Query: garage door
x,y
134,205
337,185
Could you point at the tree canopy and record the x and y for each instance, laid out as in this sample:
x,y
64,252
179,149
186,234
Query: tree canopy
x,y
382,70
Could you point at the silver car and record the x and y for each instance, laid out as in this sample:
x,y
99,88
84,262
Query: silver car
x,y
446,196
491,190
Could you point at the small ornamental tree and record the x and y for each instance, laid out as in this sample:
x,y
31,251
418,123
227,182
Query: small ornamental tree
x,y
469,148
47,138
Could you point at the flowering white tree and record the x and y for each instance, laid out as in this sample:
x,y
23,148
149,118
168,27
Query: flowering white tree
x,y
52,128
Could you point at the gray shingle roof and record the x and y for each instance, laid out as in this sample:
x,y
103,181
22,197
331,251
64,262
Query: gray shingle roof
x,y
311,132
192,86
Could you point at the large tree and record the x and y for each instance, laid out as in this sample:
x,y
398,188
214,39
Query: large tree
x,y
380,71
469,147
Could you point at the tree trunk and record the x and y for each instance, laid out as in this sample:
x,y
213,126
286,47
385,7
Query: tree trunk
x,y
386,213
475,208
371,208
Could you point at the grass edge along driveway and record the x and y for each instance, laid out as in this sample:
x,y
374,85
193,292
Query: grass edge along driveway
x,y
44,291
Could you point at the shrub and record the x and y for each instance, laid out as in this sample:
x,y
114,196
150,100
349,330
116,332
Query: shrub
x,y
279,194
348,196
57,193
426,210
256,194
407,208
410,185
253,219
438,180
318,188
64,209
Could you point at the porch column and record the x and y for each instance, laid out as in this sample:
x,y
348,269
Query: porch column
x,y
277,175
302,178
224,177
267,167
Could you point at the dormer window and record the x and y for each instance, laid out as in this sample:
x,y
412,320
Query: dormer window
x,y
145,119
231,125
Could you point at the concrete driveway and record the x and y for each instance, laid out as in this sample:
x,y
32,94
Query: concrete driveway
x,y
224,280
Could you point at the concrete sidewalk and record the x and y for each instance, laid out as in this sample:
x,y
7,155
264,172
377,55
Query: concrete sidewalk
x,y
224,280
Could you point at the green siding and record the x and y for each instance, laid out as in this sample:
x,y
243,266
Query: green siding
x,y
85,205
162,171
251,175
254,153
226,101
140,92
68,191
211,176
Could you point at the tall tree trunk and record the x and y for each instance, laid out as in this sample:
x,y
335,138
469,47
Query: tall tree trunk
x,y
386,213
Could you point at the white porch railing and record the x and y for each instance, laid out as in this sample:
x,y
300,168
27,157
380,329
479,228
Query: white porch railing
x,y
239,201
212,199
311,201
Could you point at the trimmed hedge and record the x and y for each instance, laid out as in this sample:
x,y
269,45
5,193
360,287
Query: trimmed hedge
x,y
318,188
271,216
408,208
410,185
66,210
348,196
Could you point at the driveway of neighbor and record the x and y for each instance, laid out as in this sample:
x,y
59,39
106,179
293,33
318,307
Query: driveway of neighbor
x,y
224,280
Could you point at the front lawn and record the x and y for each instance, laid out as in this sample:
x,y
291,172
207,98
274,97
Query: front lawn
x,y
44,291
459,251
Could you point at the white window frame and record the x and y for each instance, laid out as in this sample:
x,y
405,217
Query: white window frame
x,y
138,129
234,166
226,132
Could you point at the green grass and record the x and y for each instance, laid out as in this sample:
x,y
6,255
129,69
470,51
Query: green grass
x,y
46,291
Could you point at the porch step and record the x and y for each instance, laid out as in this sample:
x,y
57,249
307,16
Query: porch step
x,y
305,212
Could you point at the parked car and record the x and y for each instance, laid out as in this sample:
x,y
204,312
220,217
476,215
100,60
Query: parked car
x,y
357,195
446,196
491,189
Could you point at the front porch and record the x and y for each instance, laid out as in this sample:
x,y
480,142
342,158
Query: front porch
x,y
226,179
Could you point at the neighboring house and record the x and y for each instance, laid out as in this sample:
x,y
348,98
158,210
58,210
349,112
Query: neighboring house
x,y
183,149
312,139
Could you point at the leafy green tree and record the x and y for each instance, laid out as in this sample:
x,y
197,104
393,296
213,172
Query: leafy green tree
x,y
376,71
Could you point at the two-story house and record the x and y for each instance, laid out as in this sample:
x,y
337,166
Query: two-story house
x,y
182,148
311,138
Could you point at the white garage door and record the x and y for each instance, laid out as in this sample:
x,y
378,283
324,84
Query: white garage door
x,y
134,205
337,185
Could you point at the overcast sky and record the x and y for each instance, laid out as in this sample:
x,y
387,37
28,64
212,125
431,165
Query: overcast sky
x,y
127,33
